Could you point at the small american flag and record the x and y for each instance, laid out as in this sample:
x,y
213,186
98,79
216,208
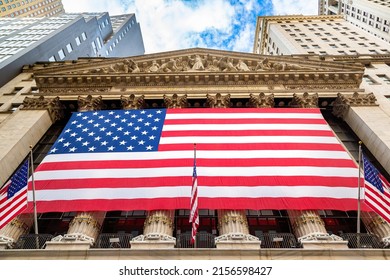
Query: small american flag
x,y
13,195
377,190
194,216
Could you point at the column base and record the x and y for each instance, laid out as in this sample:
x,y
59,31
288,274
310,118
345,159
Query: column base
x,y
5,242
153,241
70,242
3,245
323,241
237,241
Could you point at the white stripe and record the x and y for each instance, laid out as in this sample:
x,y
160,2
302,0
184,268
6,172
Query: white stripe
x,y
248,139
229,115
203,192
240,127
385,201
202,171
199,154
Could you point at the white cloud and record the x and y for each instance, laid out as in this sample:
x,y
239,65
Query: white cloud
x,y
296,7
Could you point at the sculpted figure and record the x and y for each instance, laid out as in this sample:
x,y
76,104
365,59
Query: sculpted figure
x,y
129,66
263,65
154,68
169,66
226,64
241,66
197,63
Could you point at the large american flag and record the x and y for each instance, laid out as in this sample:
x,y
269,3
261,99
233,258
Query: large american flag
x,y
377,190
13,195
247,158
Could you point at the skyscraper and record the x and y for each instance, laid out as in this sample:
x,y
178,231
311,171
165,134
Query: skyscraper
x,y
30,8
370,15
25,41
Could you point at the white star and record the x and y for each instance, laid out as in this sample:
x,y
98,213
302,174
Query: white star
x,y
140,120
159,112
98,138
91,133
101,117
96,125
123,120
74,122
152,137
127,133
107,120
137,128
61,140
109,133
147,123
144,132
115,138
79,114
104,143
79,139
79,126
111,148
143,112
134,137
73,149
90,121
86,143
85,129
111,113
122,142
95,113
66,144
133,116
73,134
68,130
127,112
117,116
150,115
85,117
53,150
154,128
114,124
130,148
156,119
130,124
103,129
119,129
149,148
141,142
91,149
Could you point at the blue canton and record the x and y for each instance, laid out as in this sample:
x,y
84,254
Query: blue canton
x,y
18,180
111,131
371,174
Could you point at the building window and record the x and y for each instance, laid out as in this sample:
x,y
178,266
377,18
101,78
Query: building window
x,y
61,54
95,50
78,42
69,48
52,58
384,78
84,36
369,80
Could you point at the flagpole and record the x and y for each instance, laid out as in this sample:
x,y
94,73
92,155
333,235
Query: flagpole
x,y
358,213
191,209
33,187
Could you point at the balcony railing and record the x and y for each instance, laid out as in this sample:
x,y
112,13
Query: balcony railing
x,y
361,240
113,240
32,241
278,240
203,240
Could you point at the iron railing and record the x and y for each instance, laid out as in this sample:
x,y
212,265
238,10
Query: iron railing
x,y
203,240
361,240
278,240
32,241
113,240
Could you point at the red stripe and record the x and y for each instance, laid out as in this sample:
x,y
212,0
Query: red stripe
x,y
187,181
238,133
244,121
201,162
251,146
204,203
245,110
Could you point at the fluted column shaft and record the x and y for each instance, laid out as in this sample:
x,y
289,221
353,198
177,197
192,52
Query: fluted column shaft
x,y
232,221
86,225
159,222
306,223
17,227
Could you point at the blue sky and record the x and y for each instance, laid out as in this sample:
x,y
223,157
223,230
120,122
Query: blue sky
x,y
168,25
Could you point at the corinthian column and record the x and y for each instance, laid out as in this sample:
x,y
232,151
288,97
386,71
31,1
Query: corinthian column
x,y
377,226
233,225
85,226
158,227
310,230
11,232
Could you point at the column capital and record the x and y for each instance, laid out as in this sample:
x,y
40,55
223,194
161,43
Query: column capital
x,y
305,100
344,101
218,100
52,105
90,103
133,102
261,100
175,101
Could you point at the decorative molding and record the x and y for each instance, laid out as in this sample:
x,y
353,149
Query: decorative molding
x,y
305,100
132,102
218,101
157,219
344,101
175,101
261,101
90,103
88,220
52,105
71,90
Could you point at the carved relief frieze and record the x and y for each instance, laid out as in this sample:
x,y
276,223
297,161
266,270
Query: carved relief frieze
x,y
344,101
71,90
52,105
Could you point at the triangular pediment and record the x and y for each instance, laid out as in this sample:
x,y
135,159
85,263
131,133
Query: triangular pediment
x,y
197,60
